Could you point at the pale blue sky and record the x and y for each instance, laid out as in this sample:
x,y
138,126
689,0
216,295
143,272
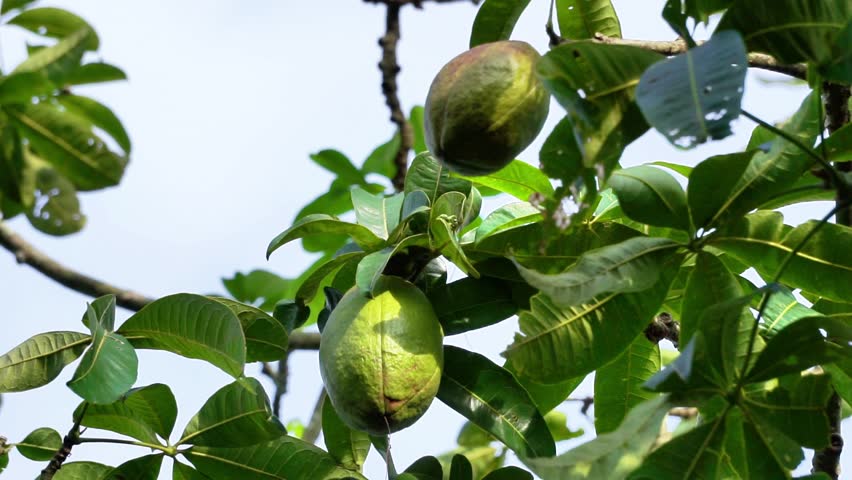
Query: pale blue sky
x,y
225,102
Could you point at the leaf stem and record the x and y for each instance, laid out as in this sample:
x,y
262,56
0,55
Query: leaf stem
x,y
170,451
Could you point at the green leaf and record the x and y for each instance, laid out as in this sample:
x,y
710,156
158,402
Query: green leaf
x,y
258,286
40,359
443,239
338,164
185,472
630,266
349,447
141,468
21,87
807,342
371,267
69,145
612,455
311,285
9,5
192,326
54,22
492,398
471,303
764,242
40,445
518,179
560,344
382,160
580,19
82,470
424,468
104,309
98,115
728,186
237,415
377,212
756,450
266,337
460,468
96,72
508,473
142,414
710,283
790,30
51,200
838,146
432,178
619,384
557,422
495,20
283,458
839,68
798,412
671,461
596,85
781,310
560,156
108,368
695,96
508,216
321,224
548,396
652,196
59,60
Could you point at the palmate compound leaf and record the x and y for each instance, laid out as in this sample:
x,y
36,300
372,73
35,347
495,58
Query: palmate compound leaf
x,y
283,458
633,265
237,415
492,398
495,20
612,455
40,359
558,344
694,96
193,326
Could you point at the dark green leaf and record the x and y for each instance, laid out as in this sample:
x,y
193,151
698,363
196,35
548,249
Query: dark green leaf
x,y
284,457
506,217
40,359
471,303
508,473
630,266
495,20
382,159
142,414
311,285
321,224
266,337
492,398
431,177
710,283
548,396
371,267
349,447
82,470
185,472
41,444
258,286
338,164
237,415
790,30
21,87
703,460
695,96
839,68
54,22
781,310
141,468
9,5
619,384
51,200
291,314
580,19
460,468
425,468
443,239
104,308
652,196
560,156
96,72
192,326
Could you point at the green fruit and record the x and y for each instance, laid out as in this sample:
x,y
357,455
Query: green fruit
x,y
485,107
381,357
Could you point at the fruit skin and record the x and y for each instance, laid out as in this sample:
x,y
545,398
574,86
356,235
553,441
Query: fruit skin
x,y
381,358
485,107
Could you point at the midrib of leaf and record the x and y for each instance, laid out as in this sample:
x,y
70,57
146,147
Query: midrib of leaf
x,y
53,352
704,445
589,309
785,408
219,424
97,353
693,88
91,163
650,187
170,334
239,465
748,416
782,313
785,248
615,89
494,411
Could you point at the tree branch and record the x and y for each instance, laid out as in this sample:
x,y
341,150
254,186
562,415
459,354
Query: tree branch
x,y
27,254
675,47
390,68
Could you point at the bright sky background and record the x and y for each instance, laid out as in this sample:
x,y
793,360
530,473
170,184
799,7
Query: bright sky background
x,y
225,102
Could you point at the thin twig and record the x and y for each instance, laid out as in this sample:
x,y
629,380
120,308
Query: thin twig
x,y
675,47
27,254
314,427
73,438
390,68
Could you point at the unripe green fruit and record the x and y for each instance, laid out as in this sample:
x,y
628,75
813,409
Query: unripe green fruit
x,y
485,107
381,357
